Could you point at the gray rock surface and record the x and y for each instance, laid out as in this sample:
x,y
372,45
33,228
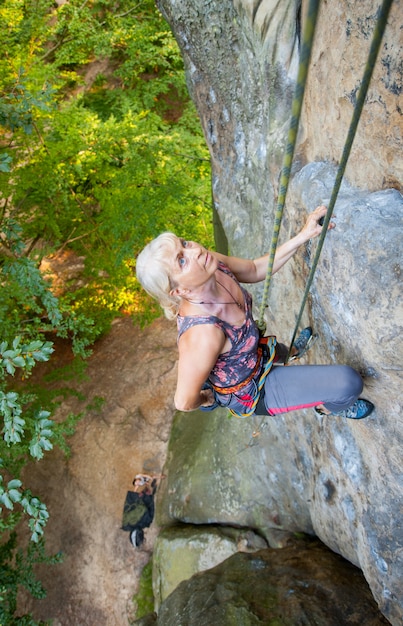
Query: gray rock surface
x,y
241,59
302,584
342,41
240,74
341,481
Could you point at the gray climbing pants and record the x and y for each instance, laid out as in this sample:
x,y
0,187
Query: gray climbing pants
x,y
293,387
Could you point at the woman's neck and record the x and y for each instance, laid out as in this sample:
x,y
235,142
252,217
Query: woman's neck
x,y
216,298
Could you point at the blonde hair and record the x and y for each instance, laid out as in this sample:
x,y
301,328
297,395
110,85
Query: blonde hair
x,y
152,270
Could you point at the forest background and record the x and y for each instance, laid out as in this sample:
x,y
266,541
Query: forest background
x,y
100,150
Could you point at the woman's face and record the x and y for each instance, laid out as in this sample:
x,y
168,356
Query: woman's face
x,y
192,265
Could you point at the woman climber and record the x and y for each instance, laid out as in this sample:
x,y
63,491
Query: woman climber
x,y
220,353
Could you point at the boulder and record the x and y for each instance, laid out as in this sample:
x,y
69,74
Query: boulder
x,y
181,551
302,584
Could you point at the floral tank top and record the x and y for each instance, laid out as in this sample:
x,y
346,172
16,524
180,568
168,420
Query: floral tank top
x,y
238,363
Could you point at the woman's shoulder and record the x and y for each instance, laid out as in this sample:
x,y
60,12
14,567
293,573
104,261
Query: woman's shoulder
x,y
196,328
223,267
189,321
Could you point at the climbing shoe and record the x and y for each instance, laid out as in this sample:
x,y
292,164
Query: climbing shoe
x,y
305,341
357,411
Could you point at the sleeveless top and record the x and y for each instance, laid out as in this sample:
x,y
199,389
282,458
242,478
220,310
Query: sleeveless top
x,y
238,363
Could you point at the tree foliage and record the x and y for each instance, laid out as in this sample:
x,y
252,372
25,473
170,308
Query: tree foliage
x,y
102,144
100,150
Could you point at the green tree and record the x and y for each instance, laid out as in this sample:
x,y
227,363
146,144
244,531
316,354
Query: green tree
x,y
96,168
100,149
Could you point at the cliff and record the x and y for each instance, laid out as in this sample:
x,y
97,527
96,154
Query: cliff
x,y
341,482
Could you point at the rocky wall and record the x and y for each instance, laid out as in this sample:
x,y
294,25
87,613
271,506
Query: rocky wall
x,y
340,481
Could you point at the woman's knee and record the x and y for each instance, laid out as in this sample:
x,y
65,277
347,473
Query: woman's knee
x,y
348,385
353,383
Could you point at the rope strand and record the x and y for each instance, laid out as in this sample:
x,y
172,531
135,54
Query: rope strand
x,y
306,48
373,53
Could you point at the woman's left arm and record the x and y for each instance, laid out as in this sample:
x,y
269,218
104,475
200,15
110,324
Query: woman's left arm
x,y
248,271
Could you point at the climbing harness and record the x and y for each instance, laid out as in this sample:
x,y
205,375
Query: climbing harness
x,y
237,388
266,356
269,346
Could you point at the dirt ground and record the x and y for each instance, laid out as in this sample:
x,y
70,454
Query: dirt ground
x,y
133,371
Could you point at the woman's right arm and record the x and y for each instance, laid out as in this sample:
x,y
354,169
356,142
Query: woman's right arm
x,y
199,348
253,271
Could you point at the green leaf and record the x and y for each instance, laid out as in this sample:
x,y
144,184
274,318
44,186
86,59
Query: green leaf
x,y
45,444
19,361
14,484
4,499
15,495
9,367
5,163
46,432
42,415
44,514
8,353
35,451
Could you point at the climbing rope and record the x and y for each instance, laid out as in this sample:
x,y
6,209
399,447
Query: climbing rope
x,y
373,53
306,48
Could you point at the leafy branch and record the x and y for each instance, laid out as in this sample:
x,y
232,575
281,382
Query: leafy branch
x,y
23,355
32,506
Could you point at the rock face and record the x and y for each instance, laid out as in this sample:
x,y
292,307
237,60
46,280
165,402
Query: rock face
x,y
340,481
342,41
242,58
302,584
240,68
182,551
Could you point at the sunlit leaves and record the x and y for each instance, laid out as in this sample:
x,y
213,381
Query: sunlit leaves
x,y
104,168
